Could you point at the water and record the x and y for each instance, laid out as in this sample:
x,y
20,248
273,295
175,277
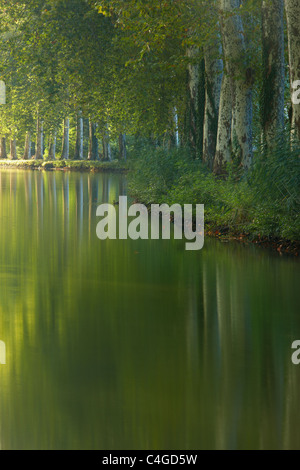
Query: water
x,y
137,344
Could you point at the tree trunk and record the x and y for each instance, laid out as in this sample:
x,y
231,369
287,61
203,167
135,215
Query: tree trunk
x,y
52,146
272,96
176,126
42,140
241,135
292,8
213,82
122,147
106,145
13,149
39,140
196,101
93,142
3,153
27,150
242,80
106,149
79,138
66,140
223,146
109,155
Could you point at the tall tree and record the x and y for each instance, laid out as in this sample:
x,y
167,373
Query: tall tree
x,y
106,149
196,101
52,146
13,148
292,8
272,96
39,139
122,146
93,142
27,149
3,153
223,144
66,140
79,138
235,53
213,81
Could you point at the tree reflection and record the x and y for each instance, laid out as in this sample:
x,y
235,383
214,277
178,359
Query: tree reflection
x,y
121,343
2,353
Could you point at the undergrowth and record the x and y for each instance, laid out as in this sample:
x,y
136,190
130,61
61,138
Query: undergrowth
x,y
264,203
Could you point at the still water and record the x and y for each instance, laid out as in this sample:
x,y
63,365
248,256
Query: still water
x,y
137,344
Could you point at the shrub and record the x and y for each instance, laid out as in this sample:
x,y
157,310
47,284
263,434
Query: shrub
x,y
262,203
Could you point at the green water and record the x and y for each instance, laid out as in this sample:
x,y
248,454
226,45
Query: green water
x,y
137,344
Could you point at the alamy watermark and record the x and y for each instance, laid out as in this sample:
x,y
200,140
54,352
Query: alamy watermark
x,y
185,220
296,354
296,94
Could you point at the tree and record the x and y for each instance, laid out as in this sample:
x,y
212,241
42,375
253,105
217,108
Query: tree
x,y
122,146
223,144
273,85
241,75
195,101
52,146
3,154
27,150
93,142
78,155
292,8
13,148
39,139
66,140
213,81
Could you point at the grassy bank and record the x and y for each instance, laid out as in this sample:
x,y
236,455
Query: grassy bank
x,y
261,207
72,165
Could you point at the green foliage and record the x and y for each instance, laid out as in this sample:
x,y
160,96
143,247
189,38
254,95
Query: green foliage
x,y
160,168
124,65
275,183
263,204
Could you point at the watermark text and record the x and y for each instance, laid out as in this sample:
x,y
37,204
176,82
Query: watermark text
x,y
186,220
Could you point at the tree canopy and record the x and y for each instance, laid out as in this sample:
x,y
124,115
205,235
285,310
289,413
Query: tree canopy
x,y
202,70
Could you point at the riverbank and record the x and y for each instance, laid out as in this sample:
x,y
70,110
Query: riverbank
x,y
260,208
65,165
234,211
281,246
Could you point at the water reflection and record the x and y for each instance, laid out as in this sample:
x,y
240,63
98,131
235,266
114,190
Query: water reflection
x,y
2,353
137,344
